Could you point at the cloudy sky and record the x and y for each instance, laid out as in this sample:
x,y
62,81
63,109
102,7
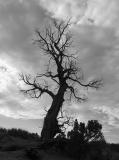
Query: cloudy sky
x,y
95,30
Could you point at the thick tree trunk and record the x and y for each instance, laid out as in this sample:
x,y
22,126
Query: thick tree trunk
x,y
50,126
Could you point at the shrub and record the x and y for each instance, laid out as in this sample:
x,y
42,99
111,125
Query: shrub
x,y
82,133
85,138
18,133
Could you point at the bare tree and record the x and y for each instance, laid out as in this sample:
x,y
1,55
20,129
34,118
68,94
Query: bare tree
x,y
62,69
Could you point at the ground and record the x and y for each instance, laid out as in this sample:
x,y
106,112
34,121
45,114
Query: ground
x,y
16,148
20,155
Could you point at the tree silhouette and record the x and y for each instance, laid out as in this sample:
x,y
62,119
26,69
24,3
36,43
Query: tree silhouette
x,y
62,69
82,133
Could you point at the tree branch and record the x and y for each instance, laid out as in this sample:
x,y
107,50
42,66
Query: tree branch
x,y
36,89
73,92
92,84
49,74
61,28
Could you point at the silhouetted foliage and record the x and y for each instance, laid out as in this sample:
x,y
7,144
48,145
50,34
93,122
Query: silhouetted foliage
x,y
83,133
75,144
82,139
18,133
63,72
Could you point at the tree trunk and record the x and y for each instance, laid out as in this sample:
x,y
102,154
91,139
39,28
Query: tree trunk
x,y
50,126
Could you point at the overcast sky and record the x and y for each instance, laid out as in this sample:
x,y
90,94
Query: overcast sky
x,y
95,29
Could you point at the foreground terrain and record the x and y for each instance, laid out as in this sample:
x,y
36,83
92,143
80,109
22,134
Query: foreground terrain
x,y
21,145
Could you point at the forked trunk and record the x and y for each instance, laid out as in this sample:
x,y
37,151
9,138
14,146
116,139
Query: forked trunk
x,y
50,126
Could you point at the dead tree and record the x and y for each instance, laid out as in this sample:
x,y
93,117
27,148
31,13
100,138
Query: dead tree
x,y
62,69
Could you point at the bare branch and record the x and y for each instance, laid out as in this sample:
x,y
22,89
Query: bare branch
x,y
49,74
36,89
92,84
73,92
61,28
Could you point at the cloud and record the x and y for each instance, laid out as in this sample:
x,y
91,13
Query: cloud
x,y
98,12
32,125
12,102
103,12
98,58
65,8
18,22
111,114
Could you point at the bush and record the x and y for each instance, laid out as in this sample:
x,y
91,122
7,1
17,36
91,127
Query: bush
x,y
18,133
82,133
83,139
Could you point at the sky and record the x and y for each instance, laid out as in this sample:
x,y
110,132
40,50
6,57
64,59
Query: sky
x,y
95,30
